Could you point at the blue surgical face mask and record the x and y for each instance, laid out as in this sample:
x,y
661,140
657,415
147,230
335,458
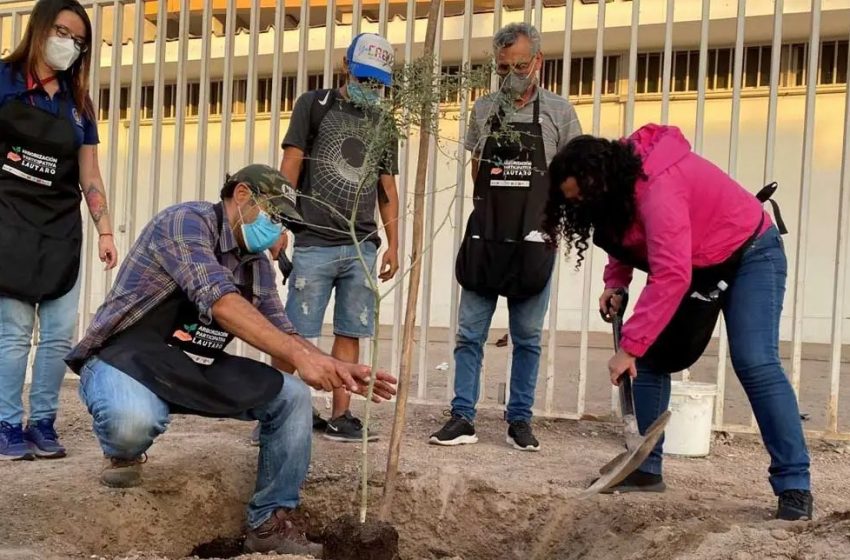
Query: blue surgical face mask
x,y
363,95
261,234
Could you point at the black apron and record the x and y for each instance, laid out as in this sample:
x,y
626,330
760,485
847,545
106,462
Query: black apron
x,y
41,228
689,331
172,352
511,189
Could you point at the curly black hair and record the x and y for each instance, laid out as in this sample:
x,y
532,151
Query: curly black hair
x,y
606,172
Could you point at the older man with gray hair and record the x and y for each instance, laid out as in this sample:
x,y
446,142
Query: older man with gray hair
x,y
513,135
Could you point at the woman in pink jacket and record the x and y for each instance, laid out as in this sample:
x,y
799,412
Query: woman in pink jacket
x,y
660,207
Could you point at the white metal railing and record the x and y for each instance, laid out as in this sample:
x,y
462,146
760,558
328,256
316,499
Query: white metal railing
x,y
149,165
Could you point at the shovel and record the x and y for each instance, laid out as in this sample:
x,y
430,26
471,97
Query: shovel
x,y
638,447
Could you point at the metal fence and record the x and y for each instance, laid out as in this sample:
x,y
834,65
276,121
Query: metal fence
x,y
147,169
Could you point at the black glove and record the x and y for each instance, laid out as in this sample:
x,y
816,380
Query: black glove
x,y
285,266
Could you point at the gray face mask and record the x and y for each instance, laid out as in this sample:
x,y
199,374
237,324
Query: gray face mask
x,y
515,85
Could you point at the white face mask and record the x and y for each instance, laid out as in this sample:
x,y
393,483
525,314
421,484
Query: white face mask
x,y
60,53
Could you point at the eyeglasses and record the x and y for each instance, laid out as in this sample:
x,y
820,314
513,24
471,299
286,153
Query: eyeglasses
x,y
65,33
519,68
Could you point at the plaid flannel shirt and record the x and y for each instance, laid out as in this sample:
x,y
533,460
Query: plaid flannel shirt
x,y
182,248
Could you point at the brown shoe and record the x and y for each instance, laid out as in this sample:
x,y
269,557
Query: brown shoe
x,y
279,534
122,473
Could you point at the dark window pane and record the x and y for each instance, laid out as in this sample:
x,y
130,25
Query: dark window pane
x,y
612,77
654,72
751,66
168,101
641,73
711,70
680,71
125,101
575,76
841,67
766,53
193,99
827,63
587,76
724,65
693,71
797,66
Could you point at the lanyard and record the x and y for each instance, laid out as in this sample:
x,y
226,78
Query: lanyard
x,y
33,81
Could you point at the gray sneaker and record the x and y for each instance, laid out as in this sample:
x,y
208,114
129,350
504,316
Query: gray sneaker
x,y
346,428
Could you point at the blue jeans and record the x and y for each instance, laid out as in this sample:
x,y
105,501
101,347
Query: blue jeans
x,y
752,311
316,271
127,417
526,326
57,320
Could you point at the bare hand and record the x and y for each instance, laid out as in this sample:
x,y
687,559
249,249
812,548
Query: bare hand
x,y
389,264
610,303
621,363
107,252
324,372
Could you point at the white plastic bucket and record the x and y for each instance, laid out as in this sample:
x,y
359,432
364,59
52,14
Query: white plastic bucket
x,y
692,408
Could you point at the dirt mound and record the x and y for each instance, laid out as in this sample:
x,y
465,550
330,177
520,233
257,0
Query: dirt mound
x,y
477,502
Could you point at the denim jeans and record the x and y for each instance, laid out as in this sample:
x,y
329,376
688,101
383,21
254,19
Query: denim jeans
x,y
752,311
57,320
316,271
525,318
127,417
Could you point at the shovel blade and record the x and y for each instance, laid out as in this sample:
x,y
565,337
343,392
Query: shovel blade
x,y
625,463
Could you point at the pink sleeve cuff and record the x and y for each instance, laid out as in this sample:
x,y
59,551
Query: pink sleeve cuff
x,y
633,347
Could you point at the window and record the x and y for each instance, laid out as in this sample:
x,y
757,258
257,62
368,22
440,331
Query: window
x,y
833,63
193,99
239,97
287,93
581,76
793,65
648,73
757,66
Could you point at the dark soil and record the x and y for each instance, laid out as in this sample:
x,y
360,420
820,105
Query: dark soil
x,y
345,538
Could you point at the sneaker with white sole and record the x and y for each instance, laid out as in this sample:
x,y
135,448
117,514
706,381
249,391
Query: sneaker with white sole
x,y
521,437
457,431
346,428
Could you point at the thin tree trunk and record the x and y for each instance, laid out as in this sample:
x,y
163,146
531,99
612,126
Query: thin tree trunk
x,y
415,272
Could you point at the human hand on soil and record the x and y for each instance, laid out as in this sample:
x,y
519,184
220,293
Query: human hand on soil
x,y
621,363
321,371
610,303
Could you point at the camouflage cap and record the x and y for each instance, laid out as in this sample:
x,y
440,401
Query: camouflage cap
x,y
267,182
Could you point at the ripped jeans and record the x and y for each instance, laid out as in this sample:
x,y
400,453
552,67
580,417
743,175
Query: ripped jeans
x,y
316,271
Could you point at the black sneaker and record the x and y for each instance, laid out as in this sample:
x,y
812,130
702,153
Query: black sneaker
x,y
457,431
346,428
638,481
521,437
319,423
795,505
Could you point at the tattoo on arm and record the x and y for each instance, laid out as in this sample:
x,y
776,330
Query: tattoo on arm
x,y
96,202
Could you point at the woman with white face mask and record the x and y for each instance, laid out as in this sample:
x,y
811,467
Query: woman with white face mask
x,y
48,147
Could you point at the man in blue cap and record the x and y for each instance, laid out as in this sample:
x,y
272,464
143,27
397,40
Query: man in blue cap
x,y
332,152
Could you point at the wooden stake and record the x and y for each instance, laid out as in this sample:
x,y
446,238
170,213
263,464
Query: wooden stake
x,y
415,271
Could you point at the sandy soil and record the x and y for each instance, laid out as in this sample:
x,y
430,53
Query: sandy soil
x,y
473,502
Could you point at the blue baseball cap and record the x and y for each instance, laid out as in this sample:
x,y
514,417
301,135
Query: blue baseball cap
x,y
371,56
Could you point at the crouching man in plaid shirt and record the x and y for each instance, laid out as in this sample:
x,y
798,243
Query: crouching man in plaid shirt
x,y
196,278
